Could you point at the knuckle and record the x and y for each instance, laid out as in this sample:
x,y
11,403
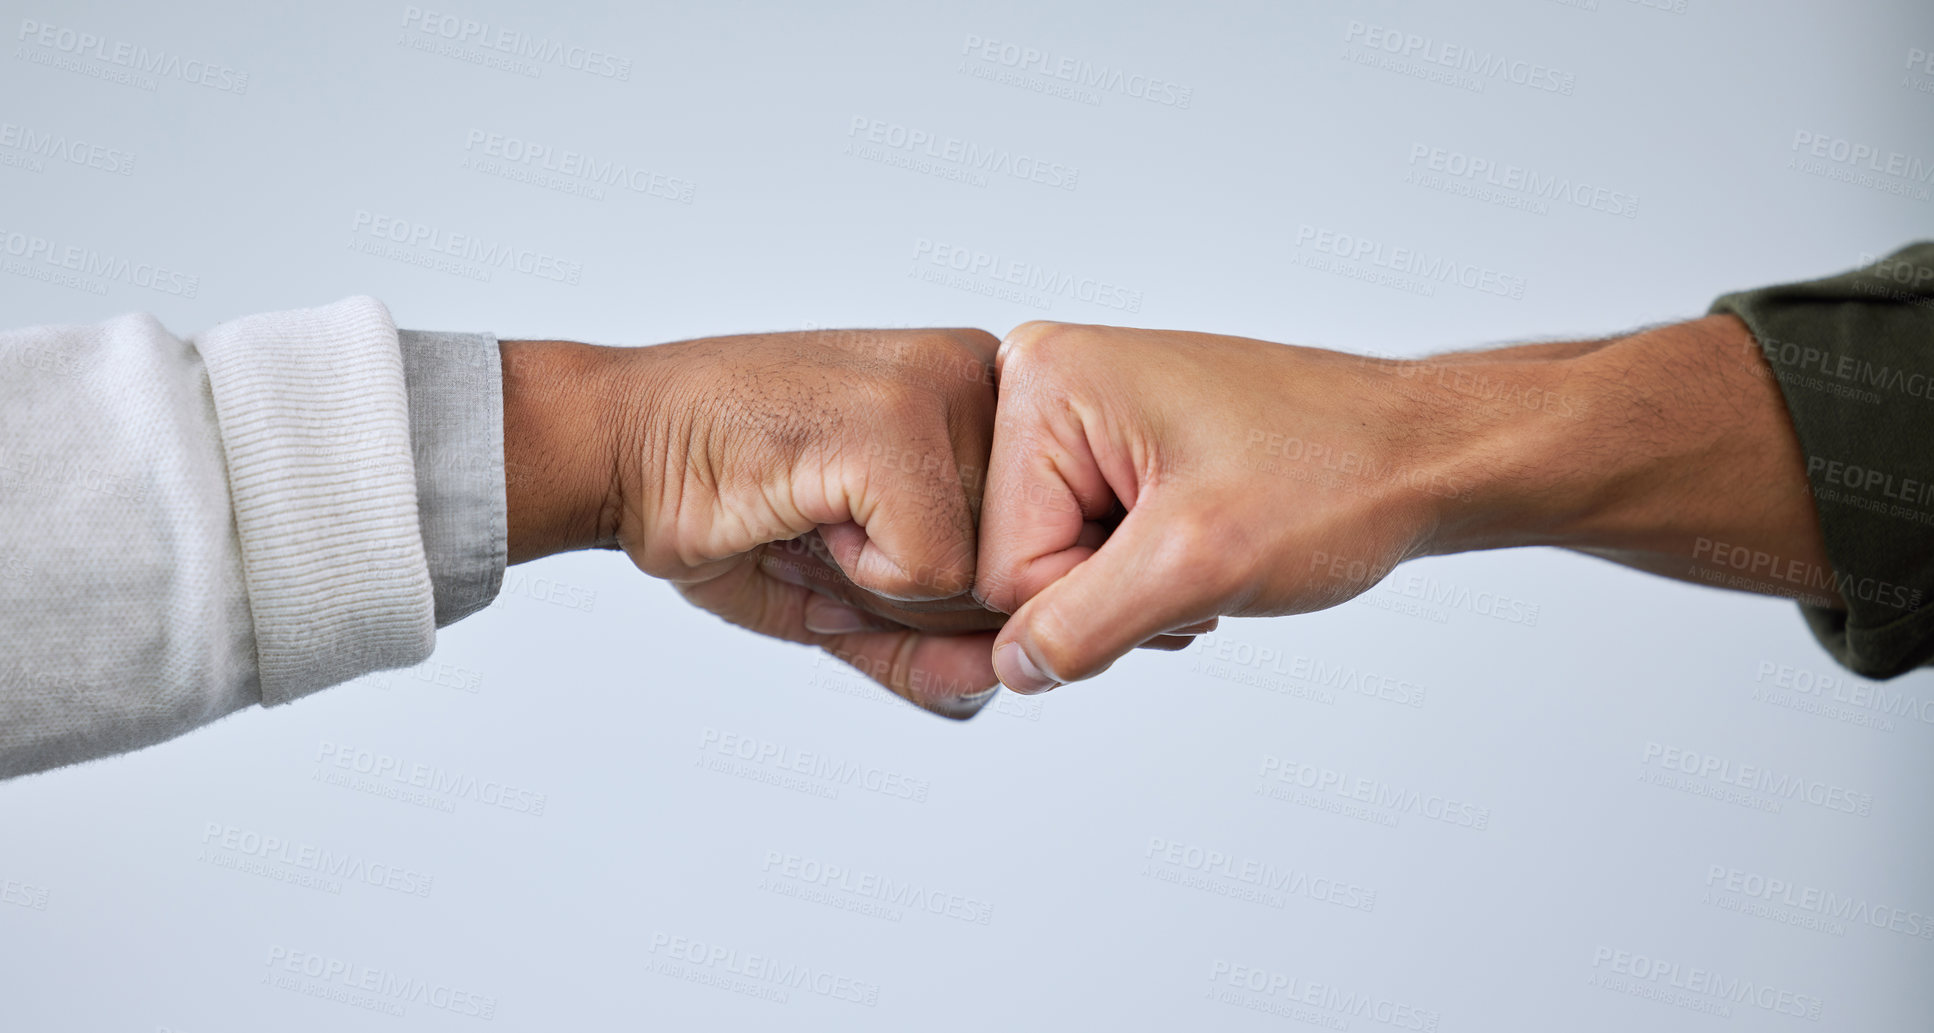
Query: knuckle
x,y
972,339
1026,343
899,673
1034,330
1040,351
956,364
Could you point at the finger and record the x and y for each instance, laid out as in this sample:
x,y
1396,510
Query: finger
x,y
799,564
914,501
912,532
823,616
798,561
876,564
1045,490
947,674
1048,569
1168,643
1181,638
981,344
1078,625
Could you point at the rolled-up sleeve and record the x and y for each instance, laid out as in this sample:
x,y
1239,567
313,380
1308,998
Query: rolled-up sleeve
x,y
1854,358
313,418
456,390
249,515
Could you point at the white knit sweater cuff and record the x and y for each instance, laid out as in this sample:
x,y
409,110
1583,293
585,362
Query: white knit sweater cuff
x,y
315,424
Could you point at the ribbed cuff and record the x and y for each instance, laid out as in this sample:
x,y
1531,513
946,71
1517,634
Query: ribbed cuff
x,y
456,386
314,420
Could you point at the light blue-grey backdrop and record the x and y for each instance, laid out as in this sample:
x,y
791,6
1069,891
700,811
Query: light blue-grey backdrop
x,y
596,808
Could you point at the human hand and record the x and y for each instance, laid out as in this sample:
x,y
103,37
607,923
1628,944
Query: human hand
x,y
1261,479
819,487
1255,479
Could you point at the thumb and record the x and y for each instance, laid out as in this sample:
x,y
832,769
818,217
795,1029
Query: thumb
x,y
1138,585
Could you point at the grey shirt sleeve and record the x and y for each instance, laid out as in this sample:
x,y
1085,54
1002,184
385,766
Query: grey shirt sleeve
x,y
455,384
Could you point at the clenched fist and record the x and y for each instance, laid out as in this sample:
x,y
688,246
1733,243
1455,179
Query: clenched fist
x,y
818,486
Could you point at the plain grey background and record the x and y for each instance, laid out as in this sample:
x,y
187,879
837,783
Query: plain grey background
x,y
596,806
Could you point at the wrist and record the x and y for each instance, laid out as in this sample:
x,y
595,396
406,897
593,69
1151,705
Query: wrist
x,y
1530,439
561,445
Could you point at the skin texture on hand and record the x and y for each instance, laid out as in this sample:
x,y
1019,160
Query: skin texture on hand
x,y
1255,479
819,487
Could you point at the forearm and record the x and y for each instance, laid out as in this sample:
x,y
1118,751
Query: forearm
x,y
1669,450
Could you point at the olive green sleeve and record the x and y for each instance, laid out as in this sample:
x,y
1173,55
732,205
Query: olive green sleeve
x,y
1854,358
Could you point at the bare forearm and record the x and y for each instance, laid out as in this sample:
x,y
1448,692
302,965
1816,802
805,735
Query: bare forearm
x,y
1672,453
